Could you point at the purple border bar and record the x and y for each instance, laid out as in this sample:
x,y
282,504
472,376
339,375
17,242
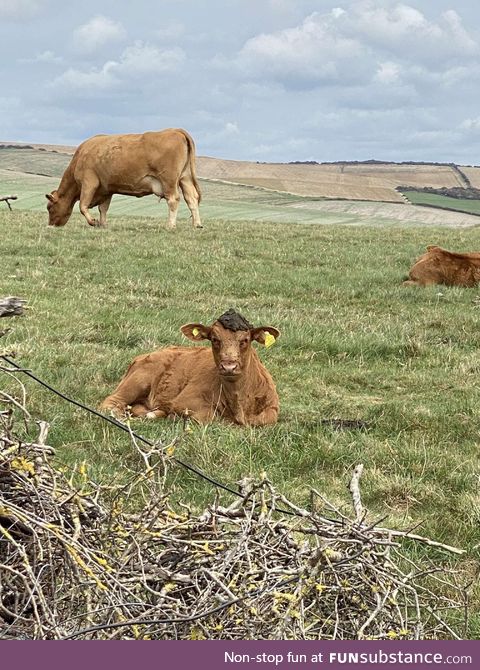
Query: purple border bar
x,y
225,655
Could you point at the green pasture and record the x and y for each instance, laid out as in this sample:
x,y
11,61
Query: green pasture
x,y
231,202
443,202
355,344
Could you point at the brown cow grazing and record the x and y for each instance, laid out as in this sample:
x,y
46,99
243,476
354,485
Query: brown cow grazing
x,y
439,266
227,380
155,162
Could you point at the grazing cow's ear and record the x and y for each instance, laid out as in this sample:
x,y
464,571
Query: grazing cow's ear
x,y
50,197
196,331
265,335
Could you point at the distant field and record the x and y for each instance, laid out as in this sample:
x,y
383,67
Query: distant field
x,y
442,201
236,202
350,181
33,161
220,201
473,174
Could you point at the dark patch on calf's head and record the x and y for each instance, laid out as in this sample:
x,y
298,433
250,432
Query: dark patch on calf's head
x,y
232,320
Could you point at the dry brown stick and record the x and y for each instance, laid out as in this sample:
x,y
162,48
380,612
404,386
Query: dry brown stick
x,y
355,491
7,198
420,538
11,306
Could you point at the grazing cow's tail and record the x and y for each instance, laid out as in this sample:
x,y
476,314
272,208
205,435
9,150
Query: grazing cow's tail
x,y
191,151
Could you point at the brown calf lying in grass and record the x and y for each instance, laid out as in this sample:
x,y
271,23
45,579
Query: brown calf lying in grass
x,y
232,383
439,266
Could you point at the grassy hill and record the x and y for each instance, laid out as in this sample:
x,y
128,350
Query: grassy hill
x,y
30,173
370,180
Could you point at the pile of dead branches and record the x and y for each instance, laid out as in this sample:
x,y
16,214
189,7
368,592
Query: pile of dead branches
x,y
78,560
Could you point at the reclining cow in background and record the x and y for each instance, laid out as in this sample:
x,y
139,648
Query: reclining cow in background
x,y
139,165
439,266
227,380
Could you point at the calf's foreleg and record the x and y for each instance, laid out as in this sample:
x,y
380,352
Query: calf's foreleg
x,y
132,392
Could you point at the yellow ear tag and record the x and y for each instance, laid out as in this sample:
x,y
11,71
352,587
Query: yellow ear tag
x,y
195,332
269,339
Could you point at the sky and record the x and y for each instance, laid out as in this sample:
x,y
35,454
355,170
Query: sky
x,y
260,80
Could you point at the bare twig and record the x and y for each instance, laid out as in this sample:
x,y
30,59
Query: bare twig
x,y
7,198
11,306
355,491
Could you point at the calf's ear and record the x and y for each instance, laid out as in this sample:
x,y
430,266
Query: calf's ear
x,y
49,197
196,331
265,335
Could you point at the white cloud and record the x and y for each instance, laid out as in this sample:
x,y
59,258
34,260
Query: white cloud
x,y
388,73
97,32
471,125
367,41
281,5
313,52
146,59
171,31
404,30
43,57
93,80
137,61
20,9
9,103
231,128
337,12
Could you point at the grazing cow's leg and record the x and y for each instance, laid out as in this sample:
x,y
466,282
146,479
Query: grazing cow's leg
x,y
103,209
172,197
87,194
191,198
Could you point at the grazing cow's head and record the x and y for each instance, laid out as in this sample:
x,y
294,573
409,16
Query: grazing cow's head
x,y
59,209
231,336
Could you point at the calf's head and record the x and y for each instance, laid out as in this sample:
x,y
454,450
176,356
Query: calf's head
x,y
59,210
231,337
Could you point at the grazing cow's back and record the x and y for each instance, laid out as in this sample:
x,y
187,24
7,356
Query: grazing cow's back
x,y
439,266
227,380
158,163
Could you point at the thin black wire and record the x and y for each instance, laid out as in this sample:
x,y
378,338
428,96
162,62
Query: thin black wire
x,y
137,436
122,426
